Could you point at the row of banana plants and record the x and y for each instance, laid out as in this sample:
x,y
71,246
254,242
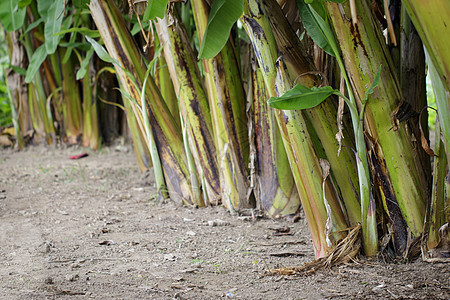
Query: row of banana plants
x,y
59,90
265,104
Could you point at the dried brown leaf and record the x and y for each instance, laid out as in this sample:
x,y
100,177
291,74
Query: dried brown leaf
x,y
345,251
424,141
282,271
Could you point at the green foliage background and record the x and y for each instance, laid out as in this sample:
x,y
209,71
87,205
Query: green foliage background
x,y
431,100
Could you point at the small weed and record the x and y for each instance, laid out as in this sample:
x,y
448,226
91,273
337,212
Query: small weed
x,y
153,198
66,174
123,173
71,172
81,170
248,252
240,248
43,170
216,267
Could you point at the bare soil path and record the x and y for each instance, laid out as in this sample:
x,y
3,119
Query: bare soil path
x,y
90,229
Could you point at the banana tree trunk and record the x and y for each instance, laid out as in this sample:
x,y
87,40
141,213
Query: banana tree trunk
x,y
137,136
17,92
431,21
194,105
275,189
413,82
227,103
323,118
436,210
395,164
319,198
43,119
121,47
71,105
91,137
165,85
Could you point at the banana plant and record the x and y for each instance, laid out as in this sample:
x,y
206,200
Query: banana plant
x,y
302,70
194,106
131,71
438,207
396,167
275,188
227,102
301,97
427,17
319,199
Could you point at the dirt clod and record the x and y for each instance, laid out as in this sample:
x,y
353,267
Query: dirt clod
x,y
48,280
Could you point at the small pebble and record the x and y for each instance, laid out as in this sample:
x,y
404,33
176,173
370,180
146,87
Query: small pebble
x,y
218,223
48,280
71,277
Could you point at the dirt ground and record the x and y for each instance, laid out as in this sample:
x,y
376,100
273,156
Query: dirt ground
x,y
90,228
